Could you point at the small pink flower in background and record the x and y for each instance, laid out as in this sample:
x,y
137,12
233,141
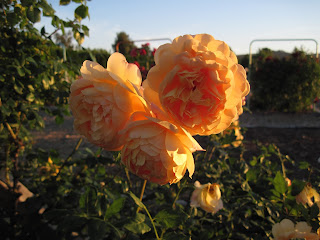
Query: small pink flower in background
x,y
308,196
286,230
157,150
133,52
102,100
199,83
207,197
143,52
154,51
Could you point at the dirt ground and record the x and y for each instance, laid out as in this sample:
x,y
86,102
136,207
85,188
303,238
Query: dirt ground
x,y
300,143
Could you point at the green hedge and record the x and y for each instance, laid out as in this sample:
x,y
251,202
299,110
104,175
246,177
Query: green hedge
x,y
287,84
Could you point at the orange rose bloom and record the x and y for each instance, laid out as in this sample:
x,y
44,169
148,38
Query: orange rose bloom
x,y
102,100
197,80
157,150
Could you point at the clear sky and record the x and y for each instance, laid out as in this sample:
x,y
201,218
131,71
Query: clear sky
x,y
237,22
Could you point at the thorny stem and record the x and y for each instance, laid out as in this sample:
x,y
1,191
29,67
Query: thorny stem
x,y
142,192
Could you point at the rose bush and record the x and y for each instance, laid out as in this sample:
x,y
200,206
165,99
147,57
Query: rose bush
x,y
207,196
157,150
102,100
197,80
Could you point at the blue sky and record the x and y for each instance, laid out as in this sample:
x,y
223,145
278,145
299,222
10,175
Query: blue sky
x,y
237,22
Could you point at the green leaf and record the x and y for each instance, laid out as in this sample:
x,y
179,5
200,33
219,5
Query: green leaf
x,y
18,87
30,97
47,9
304,165
170,218
64,2
81,12
137,200
34,14
280,183
138,225
85,30
115,207
88,200
79,36
26,3
297,187
13,18
251,174
20,71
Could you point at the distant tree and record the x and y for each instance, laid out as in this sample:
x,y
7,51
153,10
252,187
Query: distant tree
x,y
65,39
123,43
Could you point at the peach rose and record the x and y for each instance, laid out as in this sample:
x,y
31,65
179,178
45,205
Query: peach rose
x,y
207,196
286,230
283,230
102,100
197,80
308,196
157,150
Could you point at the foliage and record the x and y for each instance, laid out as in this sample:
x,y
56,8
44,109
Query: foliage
x,y
287,84
123,43
92,195
33,78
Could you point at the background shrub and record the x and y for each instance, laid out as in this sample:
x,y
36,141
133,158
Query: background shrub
x,y
288,84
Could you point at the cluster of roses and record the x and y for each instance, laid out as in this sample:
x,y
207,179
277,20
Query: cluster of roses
x,y
287,230
196,87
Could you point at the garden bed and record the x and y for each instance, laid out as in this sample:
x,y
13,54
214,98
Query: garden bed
x,y
296,135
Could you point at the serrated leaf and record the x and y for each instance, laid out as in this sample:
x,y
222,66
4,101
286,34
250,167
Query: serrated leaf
x,y
81,12
34,14
137,200
47,9
170,218
138,225
115,207
280,183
